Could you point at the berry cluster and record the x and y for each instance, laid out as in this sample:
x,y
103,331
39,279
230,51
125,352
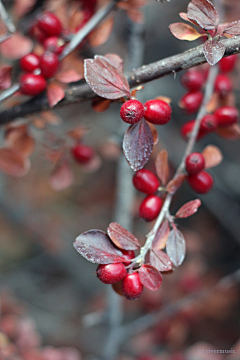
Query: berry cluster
x,y
199,180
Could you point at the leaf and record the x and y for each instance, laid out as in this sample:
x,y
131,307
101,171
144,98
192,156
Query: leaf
x,y
13,164
161,165
96,247
232,28
231,132
150,277
184,32
212,156
188,209
176,247
204,13
78,133
115,61
160,260
20,140
186,18
93,165
154,133
62,177
102,33
68,76
5,77
100,104
138,144
16,47
160,239
213,51
175,184
104,79
55,93
122,238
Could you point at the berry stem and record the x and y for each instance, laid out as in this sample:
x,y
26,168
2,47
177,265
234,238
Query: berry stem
x,y
9,92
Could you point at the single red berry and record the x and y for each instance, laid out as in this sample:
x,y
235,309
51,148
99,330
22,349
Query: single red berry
x,y
193,80
187,129
226,115
82,153
129,255
49,24
157,112
191,102
29,62
36,33
31,84
132,111
228,63
54,44
145,181
48,64
131,286
194,163
111,273
150,207
201,182
223,85
208,123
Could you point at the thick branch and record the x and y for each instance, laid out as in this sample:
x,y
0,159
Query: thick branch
x,y
81,92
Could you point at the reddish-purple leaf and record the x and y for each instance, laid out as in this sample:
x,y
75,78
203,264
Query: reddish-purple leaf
x,y
160,260
160,240
188,209
55,93
122,238
213,51
232,28
16,47
13,164
138,145
96,247
184,32
161,165
68,76
19,140
5,77
204,13
176,247
186,18
115,60
231,132
150,277
61,177
104,79
212,156
175,184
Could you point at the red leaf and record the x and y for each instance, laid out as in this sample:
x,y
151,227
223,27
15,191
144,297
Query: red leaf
x,y
150,277
5,77
55,93
184,32
20,140
204,13
68,76
231,132
100,104
186,18
160,260
212,156
154,133
96,247
232,28
175,184
16,47
160,240
93,165
138,144
12,163
188,209
61,177
122,238
213,51
176,247
115,60
161,165
104,79
102,33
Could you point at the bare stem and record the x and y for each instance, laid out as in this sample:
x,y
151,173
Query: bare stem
x,y
6,19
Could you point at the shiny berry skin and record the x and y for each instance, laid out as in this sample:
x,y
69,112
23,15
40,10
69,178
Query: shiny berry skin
x,y
187,129
48,64
82,153
31,84
150,207
228,63
191,102
208,123
29,62
201,182
145,181
157,112
129,255
132,111
226,116
194,163
223,85
111,273
54,44
49,24
193,80
131,286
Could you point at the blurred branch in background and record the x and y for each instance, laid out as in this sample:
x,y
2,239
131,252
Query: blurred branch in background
x,y
7,21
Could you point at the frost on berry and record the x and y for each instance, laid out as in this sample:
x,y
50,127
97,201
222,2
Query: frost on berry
x,y
176,247
122,238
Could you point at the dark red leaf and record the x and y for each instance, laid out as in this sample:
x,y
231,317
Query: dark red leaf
x,y
69,76
150,277
160,260
13,164
175,184
96,247
104,79
213,51
184,32
122,238
16,47
232,28
5,77
100,104
61,177
188,209
115,60
160,240
161,165
231,132
55,93
138,144
204,13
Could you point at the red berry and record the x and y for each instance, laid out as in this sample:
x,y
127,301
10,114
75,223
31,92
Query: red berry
x,y
131,286
208,123
194,163
201,182
48,64
82,153
145,181
111,273
187,129
157,112
228,63
129,255
49,24
132,111
193,80
31,84
191,102
54,44
223,85
150,207
37,33
29,62
226,115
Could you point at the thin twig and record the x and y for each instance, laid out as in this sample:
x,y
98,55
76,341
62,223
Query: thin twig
x,y
6,19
